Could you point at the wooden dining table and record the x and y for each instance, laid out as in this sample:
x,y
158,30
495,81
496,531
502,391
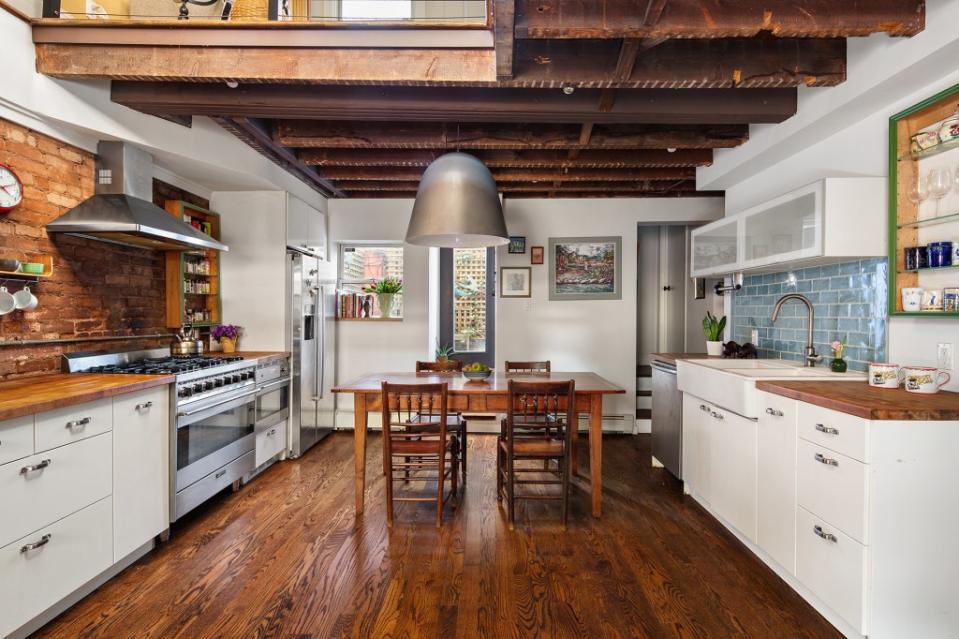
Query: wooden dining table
x,y
489,396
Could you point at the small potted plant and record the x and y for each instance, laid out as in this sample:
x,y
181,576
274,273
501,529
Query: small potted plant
x,y
227,335
443,354
713,329
838,364
385,290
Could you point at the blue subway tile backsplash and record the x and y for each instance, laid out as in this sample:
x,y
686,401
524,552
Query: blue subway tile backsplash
x,y
850,301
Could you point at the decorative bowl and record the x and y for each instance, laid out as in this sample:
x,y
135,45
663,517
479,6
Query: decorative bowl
x,y
33,268
477,376
9,266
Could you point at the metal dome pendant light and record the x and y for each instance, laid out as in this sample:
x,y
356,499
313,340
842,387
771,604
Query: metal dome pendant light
x,y
457,206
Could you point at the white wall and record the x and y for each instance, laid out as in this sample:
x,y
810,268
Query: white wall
x,y
600,335
843,131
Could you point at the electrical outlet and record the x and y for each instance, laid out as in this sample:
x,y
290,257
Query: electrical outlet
x,y
754,337
944,356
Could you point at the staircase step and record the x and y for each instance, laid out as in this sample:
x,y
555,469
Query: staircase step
x,y
644,370
644,413
644,393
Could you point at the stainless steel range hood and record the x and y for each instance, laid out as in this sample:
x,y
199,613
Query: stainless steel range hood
x,y
121,211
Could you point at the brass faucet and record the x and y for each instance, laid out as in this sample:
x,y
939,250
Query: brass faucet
x,y
810,357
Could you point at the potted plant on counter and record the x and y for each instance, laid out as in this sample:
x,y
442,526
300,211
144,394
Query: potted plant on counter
x,y
443,354
713,329
838,364
227,335
385,290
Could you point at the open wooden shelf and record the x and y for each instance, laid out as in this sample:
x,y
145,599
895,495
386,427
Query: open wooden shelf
x,y
46,260
178,300
942,147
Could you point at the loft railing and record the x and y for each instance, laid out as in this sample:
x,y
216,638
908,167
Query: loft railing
x,y
342,12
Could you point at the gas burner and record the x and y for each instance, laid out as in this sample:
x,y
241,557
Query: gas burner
x,y
166,365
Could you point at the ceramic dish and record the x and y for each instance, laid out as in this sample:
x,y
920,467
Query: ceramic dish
x,y
33,268
9,266
477,376
924,140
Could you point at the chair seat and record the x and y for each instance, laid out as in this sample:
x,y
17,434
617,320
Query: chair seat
x,y
424,423
538,447
419,447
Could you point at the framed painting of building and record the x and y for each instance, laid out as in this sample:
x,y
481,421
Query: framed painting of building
x,y
585,268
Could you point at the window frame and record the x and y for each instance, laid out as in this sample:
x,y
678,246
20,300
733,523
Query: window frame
x,y
342,281
446,335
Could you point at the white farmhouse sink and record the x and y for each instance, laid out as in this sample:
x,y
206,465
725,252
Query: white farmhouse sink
x,y
731,383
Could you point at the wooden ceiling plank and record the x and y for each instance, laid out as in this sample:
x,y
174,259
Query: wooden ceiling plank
x,y
654,11
413,174
717,19
443,104
587,159
583,187
503,15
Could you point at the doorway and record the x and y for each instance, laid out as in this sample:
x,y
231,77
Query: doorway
x,y
468,304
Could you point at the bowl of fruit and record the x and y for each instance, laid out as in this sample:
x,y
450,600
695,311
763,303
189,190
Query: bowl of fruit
x,y
477,372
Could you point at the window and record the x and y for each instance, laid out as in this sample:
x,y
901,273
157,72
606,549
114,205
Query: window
x,y
467,303
376,10
362,264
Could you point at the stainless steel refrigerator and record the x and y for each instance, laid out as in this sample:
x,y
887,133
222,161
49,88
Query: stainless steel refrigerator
x,y
312,295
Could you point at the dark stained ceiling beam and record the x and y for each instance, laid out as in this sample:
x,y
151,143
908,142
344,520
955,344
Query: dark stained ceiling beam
x,y
503,14
370,135
413,174
717,18
763,62
587,159
397,104
509,187
654,11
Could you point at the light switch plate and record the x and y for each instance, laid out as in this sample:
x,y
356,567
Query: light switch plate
x,y
944,356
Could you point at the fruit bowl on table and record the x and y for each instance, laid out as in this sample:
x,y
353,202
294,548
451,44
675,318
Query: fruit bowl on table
x,y
478,376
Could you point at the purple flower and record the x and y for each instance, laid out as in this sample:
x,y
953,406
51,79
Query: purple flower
x,y
225,330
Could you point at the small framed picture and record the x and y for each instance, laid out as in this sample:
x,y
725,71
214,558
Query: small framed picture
x,y
536,254
517,244
699,286
514,281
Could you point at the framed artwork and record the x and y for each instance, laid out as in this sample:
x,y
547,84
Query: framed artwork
x,y
517,244
536,254
585,268
514,281
699,285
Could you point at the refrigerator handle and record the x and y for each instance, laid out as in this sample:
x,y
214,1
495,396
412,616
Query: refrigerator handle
x,y
319,342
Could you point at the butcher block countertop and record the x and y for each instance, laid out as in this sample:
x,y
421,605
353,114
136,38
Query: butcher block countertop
x,y
670,358
862,400
30,395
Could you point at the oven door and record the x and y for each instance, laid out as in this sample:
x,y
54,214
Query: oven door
x,y
272,403
212,434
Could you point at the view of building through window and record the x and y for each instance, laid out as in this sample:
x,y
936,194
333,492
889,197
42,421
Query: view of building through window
x,y
361,265
469,300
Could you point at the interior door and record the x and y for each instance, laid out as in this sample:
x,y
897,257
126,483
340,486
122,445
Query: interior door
x,y
672,271
468,303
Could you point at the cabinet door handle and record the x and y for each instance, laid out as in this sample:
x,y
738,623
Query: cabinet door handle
x,y
703,407
829,430
143,406
825,460
824,535
36,544
774,412
40,466
717,415
271,432
78,423
219,474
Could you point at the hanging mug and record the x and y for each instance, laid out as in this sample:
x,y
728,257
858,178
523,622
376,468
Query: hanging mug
x,y
25,300
923,379
7,303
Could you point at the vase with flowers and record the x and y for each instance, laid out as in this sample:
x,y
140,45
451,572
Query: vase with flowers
x,y
227,335
838,364
385,290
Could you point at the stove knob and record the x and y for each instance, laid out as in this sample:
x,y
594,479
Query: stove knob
x,y
198,388
248,375
208,385
185,391
218,382
236,377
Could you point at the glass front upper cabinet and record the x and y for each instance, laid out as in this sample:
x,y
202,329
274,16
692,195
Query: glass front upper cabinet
x,y
787,228
715,248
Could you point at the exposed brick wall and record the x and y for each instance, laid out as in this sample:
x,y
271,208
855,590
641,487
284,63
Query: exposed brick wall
x,y
97,288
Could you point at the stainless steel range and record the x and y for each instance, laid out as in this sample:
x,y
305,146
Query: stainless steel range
x,y
213,413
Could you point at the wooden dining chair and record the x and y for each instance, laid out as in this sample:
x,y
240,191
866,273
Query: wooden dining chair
x,y
536,403
421,451
527,367
455,421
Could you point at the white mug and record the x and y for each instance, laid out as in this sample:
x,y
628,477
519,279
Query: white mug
x,y
25,300
884,375
7,303
932,299
923,379
911,299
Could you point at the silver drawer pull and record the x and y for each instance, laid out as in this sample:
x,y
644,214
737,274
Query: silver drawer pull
x,y
143,406
717,415
78,423
36,544
703,407
271,432
774,412
829,430
824,535
825,460
220,474
40,466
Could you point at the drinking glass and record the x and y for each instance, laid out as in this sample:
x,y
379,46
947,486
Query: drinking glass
x,y
918,192
940,183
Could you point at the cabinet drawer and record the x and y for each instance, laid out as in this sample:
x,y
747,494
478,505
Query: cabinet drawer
x,y
270,441
38,490
16,438
832,565
79,547
833,486
73,423
836,431
477,403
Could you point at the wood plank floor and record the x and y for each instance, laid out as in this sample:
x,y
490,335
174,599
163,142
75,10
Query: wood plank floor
x,y
285,557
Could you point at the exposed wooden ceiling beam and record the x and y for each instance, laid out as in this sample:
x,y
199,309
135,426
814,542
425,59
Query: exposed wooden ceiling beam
x,y
503,14
587,159
368,135
508,187
413,174
717,19
654,11
396,104
257,134
590,194
624,68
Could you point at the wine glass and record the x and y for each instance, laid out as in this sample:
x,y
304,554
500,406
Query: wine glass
x,y
940,183
918,193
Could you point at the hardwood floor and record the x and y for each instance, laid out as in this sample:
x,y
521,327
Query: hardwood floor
x,y
284,557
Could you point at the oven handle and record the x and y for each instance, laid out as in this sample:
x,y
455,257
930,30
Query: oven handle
x,y
266,388
236,401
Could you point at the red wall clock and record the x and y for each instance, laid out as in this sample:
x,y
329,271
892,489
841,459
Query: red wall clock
x,y
11,189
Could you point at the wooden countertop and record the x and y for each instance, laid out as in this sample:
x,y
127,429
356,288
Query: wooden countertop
x,y
30,395
670,358
865,401
250,354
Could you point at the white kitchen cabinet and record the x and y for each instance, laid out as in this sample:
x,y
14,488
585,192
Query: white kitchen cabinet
x,y
44,566
306,227
776,476
732,451
65,425
696,455
16,438
831,220
270,442
141,469
834,487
